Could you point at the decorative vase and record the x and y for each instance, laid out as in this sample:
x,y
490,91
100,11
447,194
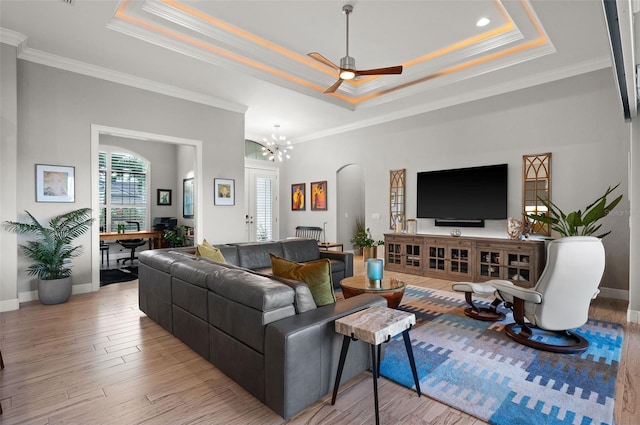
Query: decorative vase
x,y
374,272
54,291
369,252
514,228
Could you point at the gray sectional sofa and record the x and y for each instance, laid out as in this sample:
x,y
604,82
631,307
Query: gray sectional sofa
x,y
264,332
255,256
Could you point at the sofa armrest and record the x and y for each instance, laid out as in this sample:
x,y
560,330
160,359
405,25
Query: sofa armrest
x,y
302,354
347,257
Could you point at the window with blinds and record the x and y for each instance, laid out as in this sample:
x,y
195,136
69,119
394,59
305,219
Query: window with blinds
x,y
264,208
123,191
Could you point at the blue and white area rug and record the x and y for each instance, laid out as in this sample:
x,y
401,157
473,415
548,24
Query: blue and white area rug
x,y
475,367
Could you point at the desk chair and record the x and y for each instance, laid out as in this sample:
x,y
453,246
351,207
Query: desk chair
x,y
309,232
104,249
131,244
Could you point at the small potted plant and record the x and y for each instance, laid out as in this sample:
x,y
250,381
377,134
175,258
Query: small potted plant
x,y
51,251
364,241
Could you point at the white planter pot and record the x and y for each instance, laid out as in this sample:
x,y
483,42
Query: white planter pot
x,y
55,291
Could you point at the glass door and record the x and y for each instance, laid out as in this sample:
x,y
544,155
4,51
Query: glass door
x,y
261,193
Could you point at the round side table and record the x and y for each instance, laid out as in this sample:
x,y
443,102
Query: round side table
x,y
391,289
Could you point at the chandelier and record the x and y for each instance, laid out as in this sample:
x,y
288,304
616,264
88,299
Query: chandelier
x,y
278,147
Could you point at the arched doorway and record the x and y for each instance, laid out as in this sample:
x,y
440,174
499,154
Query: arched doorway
x,y
350,201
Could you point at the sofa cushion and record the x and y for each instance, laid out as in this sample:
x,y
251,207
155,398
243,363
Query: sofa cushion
x,y
300,250
162,259
230,253
259,292
255,256
316,274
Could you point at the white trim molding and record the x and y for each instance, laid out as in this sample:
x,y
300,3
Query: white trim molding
x,y
616,294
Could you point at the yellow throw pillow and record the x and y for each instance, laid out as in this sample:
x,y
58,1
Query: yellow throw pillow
x,y
212,253
316,274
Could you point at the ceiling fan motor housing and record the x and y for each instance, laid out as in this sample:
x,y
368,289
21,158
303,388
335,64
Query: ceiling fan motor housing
x,y
348,62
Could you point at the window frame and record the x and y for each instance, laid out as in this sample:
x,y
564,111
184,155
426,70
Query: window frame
x,y
108,205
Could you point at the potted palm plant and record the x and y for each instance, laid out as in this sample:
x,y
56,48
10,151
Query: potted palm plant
x,y
578,223
51,251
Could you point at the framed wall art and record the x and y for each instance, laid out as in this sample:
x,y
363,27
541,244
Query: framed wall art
x,y
55,183
164,196
298,197
318,196
187,198
224,192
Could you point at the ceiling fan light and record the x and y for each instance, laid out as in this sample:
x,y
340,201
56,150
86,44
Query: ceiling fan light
x,y
346,74
483,22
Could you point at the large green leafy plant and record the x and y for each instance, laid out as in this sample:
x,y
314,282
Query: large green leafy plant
x,y
578,223
52,251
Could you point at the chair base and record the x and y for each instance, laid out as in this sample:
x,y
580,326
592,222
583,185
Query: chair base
x,y
525,333
485,314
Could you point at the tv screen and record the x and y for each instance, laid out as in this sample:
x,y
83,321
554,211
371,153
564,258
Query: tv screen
x,y
463,193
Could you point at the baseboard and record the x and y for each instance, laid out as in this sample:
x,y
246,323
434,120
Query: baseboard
x,y
633,316
9,305
25,297
82,288
616,294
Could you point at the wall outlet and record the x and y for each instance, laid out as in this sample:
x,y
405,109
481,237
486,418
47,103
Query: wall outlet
x,y
375,216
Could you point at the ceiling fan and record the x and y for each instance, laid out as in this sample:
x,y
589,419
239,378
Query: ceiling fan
x,y
347,69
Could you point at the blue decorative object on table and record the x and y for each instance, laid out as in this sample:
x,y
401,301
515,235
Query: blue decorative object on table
x,y
374,271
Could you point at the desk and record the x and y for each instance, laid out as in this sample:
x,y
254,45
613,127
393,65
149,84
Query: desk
x,y
154,236
327,245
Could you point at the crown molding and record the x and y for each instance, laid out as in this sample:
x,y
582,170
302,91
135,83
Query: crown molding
x,y
510,86
44,58
13,38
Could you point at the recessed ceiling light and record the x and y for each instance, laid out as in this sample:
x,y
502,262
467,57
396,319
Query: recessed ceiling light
x,y
483,22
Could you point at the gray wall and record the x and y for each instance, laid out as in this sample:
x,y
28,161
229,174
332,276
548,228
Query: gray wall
x,y
577,119
55,112
9,173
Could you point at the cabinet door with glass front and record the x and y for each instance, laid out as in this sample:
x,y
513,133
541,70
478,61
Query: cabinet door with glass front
x,y
393,253
490,263
436,258
403,254
459,260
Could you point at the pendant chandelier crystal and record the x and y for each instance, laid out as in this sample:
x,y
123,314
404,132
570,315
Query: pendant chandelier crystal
x,y
278,147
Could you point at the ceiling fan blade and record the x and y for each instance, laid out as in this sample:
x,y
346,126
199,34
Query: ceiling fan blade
x,y
334,87
317,56
380,71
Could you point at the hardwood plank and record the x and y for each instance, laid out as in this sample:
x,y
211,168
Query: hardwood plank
x,y
98,359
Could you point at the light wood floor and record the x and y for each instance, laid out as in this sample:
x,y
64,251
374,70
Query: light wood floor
x,y
98,360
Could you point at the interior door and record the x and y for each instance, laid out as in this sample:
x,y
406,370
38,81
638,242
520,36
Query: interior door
x,y
262,204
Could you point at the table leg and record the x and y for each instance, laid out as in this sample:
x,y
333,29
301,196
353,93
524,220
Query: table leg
x,y
379,356
343,355
374,365
412,362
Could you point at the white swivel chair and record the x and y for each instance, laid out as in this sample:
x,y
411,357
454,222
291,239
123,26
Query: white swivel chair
x,y
560,299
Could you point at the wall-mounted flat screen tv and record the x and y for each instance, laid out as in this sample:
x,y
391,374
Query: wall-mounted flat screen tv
x,y
476,193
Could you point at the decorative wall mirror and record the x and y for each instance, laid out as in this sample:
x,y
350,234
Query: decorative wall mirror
x,y
536,185
397,199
